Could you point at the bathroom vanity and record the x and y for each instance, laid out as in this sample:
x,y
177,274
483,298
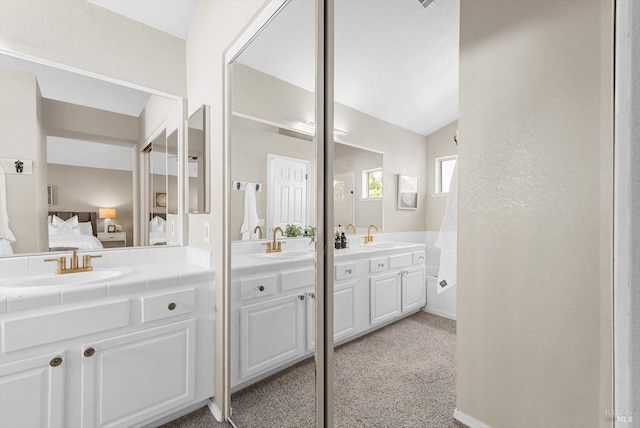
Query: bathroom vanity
x,y
122,348
273,302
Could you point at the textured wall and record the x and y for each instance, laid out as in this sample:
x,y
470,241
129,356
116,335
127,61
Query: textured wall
x,y
439,144
82,35
535,202
21,137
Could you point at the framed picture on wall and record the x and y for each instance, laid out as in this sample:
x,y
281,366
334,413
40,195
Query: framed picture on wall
x,y
407,192
159,199
49,194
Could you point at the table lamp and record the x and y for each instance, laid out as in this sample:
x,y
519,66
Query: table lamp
x,y
107,214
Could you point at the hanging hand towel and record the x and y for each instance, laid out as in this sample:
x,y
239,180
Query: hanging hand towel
x,y
250,213
5,232
448,238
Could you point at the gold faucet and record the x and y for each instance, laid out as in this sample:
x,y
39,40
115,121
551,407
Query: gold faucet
x,y
62,263
275,246
350,226
259,229
369,238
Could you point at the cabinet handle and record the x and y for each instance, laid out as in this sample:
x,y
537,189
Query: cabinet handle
x,y
301,297
380,265
261,288
55,362
348,271
171,306
89,352
312,295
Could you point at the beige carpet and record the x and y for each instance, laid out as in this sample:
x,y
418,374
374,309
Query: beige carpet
x,y
400,376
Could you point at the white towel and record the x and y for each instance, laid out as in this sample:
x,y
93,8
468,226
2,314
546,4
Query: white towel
x,y
250,213
5,232
448,238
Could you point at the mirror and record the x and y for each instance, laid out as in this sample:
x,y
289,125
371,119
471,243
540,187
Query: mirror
x,y
198,165
357,187
82,141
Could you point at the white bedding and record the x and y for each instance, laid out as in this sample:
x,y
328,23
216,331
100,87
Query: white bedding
x,y
81,242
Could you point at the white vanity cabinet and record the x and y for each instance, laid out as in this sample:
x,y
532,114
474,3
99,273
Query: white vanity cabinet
x,y
117,361
129,378
271,332
414,290
38,381
385,298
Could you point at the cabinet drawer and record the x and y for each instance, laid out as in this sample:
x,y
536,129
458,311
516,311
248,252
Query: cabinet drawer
x,y
297,279
418,258
345,271
257,287
21,333
400,260
167,305
378,264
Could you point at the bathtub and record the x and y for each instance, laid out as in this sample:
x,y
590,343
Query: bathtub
x,y
443,304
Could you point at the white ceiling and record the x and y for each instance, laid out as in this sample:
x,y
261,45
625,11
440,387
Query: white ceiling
x,y
61,85
394,59
170,16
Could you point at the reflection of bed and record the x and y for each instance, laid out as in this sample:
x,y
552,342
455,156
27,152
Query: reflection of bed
x,y
158,229
81,237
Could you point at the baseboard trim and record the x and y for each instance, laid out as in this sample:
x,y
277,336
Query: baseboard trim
x,y
468,420
215,410
439,313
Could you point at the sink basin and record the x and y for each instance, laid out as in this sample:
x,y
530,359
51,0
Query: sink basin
x,y
288,255
79,278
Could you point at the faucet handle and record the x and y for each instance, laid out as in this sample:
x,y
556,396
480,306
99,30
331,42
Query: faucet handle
x,y
87,261
62,263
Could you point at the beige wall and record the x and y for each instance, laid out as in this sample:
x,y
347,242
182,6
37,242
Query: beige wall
x,y
535,203
22,137
87,189
89,124
82,35
250,146
288,105
439,144
215,26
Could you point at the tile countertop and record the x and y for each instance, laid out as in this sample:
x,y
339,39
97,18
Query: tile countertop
x,y
256,263
147,269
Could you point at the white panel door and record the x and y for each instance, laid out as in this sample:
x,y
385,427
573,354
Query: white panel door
x,y
344,310
130,378
271,333
414,289
32,392
287,192
385,295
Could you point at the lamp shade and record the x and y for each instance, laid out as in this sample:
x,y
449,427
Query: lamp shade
x,y
107,212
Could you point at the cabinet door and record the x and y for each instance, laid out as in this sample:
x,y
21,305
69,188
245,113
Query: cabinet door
x,y
32,392
130,378
271,333
414,289
385,298
344,310
344,313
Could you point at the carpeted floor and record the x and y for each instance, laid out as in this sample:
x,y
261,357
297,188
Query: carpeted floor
x,y
400,376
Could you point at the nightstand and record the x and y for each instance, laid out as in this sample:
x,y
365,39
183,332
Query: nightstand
x,y
115,237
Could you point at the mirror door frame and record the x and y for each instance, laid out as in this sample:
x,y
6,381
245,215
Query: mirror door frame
x,y
221,404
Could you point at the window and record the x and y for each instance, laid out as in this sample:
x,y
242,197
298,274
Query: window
x,y
372,183
444,173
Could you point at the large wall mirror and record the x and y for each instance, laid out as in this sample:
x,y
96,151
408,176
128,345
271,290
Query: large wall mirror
x,y
102,161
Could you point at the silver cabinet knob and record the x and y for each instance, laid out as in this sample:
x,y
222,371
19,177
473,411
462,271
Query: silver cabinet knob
x,y
348,271
301,297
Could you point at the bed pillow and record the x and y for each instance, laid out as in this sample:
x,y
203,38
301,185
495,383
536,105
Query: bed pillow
x,y
85,228
57,221
63,230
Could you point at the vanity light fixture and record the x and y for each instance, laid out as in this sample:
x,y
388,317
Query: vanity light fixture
x,y
107,214
310,128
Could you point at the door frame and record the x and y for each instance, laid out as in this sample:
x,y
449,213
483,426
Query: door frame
x,y
269,220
